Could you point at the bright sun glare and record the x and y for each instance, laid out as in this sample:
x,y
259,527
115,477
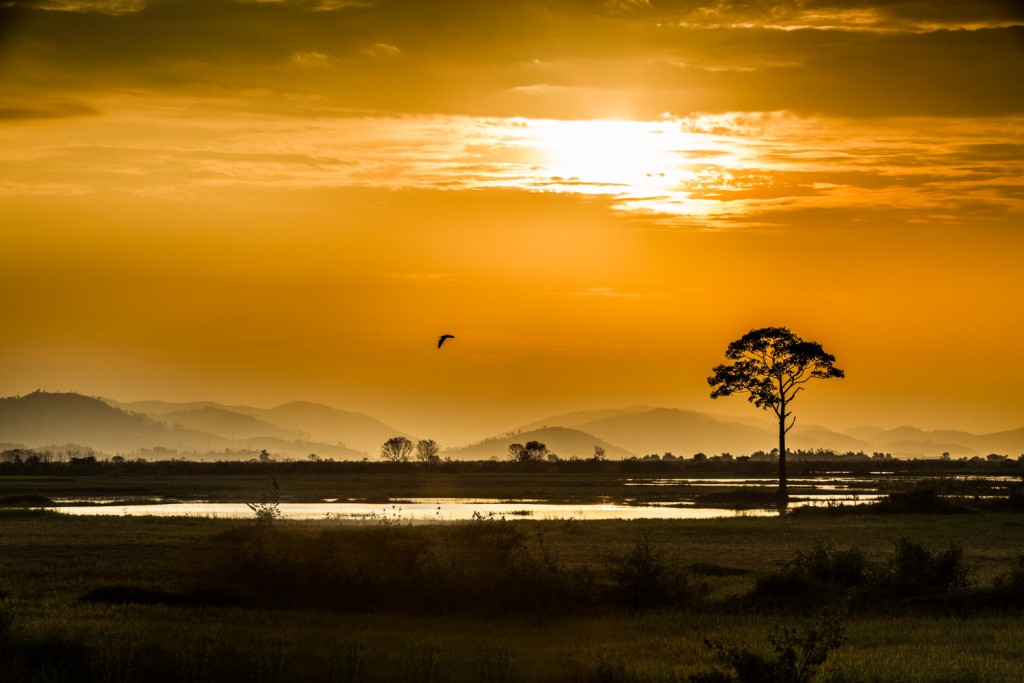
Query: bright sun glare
x,y
650,166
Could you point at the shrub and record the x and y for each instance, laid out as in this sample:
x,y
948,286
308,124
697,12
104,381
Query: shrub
x,y
824,576
918,500
643,579
815,577
487,568
1013,580
796,655
268,509
915,570
838,567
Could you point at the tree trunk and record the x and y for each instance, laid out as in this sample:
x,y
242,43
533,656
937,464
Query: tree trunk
x,y
783,490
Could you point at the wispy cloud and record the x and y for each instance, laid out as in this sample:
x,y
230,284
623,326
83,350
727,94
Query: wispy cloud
x,y
382,50
56,109
310,58
112,7
707,171
420,277
850,15
625,58
610,293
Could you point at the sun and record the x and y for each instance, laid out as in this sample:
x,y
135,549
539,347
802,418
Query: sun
x,y
649,166
619,154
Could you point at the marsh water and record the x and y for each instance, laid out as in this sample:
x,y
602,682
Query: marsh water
x,y
655,498
418,511
803,491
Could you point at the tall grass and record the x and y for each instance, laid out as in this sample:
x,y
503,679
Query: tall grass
x,y
566,616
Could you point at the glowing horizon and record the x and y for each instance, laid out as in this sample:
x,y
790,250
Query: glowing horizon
x,y
255,202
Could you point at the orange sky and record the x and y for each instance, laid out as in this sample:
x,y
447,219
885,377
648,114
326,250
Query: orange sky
x,y
260,201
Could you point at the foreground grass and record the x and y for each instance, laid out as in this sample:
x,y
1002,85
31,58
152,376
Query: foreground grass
x,y
50,561
169,644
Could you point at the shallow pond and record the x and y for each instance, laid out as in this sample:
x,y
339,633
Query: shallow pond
x,y
435,510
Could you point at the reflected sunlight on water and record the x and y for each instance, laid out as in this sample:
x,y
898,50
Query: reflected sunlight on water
x,y
440,510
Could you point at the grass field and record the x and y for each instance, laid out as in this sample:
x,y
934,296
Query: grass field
x,y
196,599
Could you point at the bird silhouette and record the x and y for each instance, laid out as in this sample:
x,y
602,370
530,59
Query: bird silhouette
x,y
440,340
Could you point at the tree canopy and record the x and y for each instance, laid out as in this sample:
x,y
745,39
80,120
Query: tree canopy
x,y
771,365
396,449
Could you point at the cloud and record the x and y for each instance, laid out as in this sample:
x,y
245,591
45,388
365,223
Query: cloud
x,y
573,59
626,5
382,50
112,7
847,15
610,293
706,172
310,58
421,278
15,111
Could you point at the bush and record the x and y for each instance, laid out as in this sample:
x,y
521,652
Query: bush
x,y
915,570
847,568
1013,581
485,568
268,509
645,579
823,576
919,500
796,655
815,577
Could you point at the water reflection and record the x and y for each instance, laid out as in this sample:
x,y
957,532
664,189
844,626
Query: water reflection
x,y
844,489
816,482
434,510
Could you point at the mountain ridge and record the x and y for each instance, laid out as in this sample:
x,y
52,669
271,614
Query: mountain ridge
x,y
300,428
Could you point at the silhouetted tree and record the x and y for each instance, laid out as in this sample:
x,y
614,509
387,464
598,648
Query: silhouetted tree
x,y
396,449
427,450
771,365
535,450
530,452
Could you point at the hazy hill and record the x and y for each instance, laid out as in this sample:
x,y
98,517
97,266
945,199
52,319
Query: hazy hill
x,y
329,425
582,417
682,432
562,441
866,433
153,408
1007,443
297,429
645,430
813,437
42,419
298,449
227,423
910,441
311,422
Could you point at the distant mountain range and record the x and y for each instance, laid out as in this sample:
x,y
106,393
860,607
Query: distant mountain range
x,y
164,430
156,429
312,422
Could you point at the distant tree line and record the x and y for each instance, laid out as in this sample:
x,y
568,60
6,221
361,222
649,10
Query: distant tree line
x,y
537,458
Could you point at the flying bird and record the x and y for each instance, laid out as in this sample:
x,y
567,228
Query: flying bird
x,y
440,340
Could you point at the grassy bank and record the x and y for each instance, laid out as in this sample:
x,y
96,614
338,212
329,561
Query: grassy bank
x,y
205,599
